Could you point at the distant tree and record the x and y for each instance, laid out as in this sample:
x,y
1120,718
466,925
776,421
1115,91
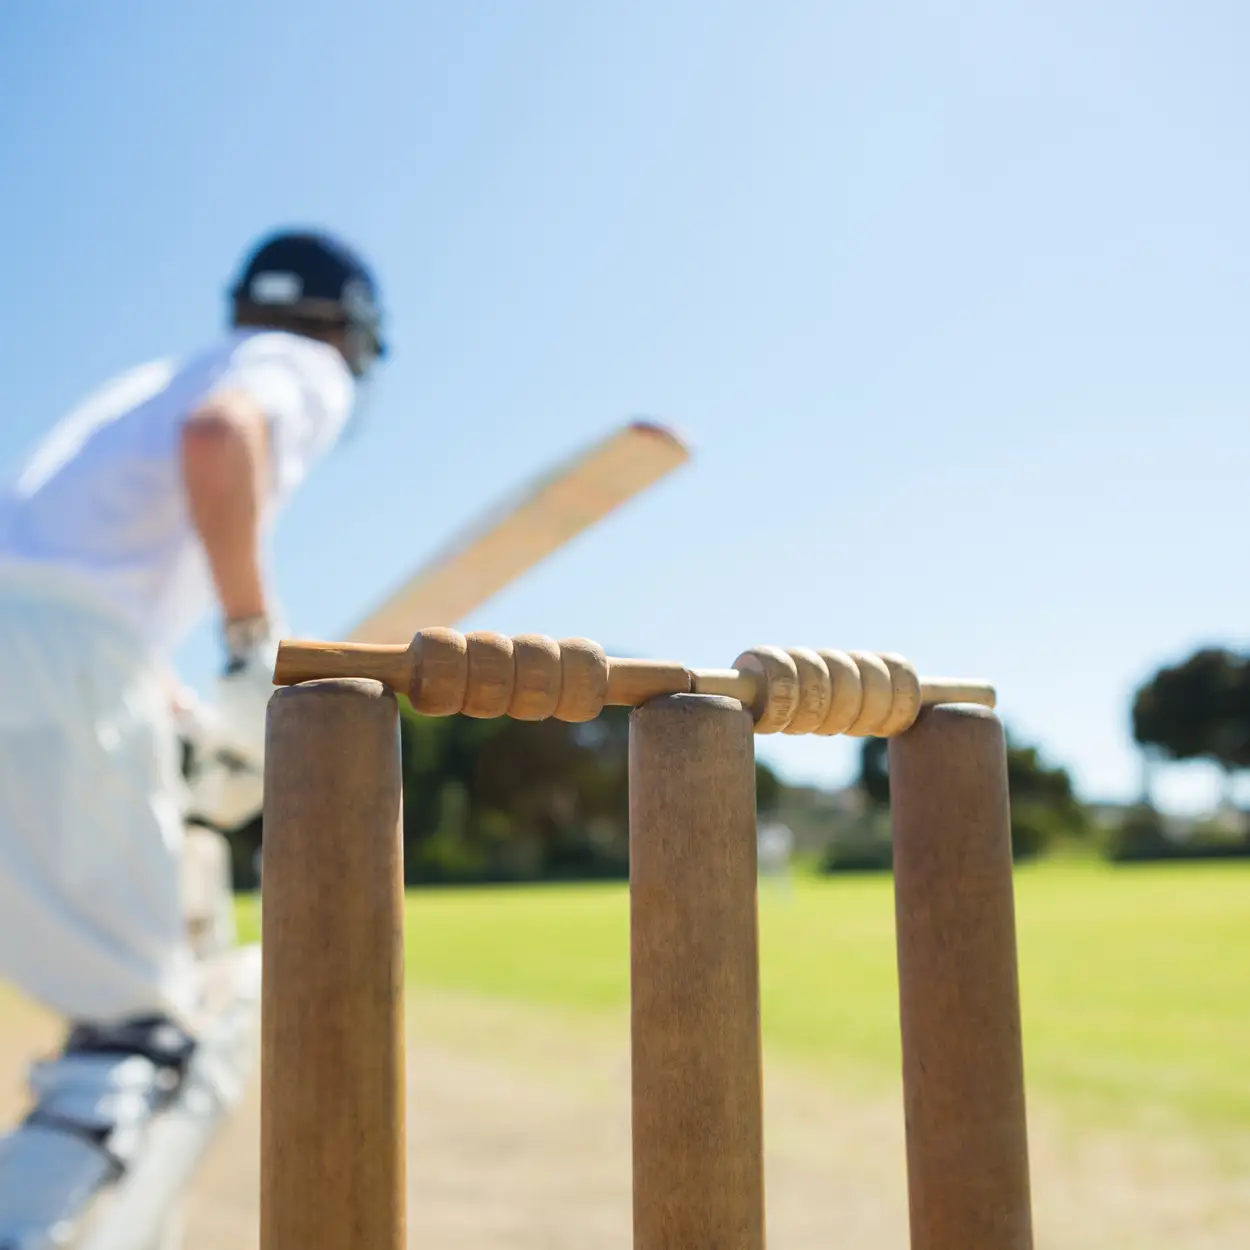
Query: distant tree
x,y
1177,712
874,771
1044,804
768,789
1198,709
1031,780
1233,736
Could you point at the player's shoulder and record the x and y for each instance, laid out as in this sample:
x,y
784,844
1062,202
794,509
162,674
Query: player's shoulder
x,y
317,365
151,375
125,392
130,387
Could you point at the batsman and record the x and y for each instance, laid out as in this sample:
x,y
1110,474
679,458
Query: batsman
x,y
145,510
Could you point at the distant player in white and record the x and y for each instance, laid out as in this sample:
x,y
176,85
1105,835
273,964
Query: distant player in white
x,y
774,847
143,510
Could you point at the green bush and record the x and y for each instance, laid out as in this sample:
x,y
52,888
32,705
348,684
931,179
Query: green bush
x,y
864,846
1139,836
1036,829
868,855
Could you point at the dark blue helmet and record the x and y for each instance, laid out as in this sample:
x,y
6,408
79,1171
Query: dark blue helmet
x,y
307,274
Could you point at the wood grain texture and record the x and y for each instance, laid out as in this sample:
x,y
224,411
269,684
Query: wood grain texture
x,y
303,659
876,694
332,1074
439,677
633,682
492,675
846,693
583,680
905,696
776,677
532,677
745,687
697,1137
936,690
959,1000
536,694
815,691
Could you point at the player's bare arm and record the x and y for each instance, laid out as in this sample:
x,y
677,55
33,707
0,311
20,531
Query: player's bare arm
x,y
225,470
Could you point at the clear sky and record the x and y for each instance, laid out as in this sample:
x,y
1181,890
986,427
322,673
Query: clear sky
x,y
952,300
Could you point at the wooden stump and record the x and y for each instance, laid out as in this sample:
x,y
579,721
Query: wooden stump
x,y
332,1062
959,1001
694,969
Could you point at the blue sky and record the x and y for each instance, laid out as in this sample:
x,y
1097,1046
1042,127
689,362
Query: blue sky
x,y
952,301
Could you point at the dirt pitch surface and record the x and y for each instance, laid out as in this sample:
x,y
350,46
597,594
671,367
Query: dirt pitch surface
x,y
519,1140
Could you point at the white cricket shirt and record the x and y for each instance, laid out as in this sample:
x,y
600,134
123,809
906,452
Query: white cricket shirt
x,y
101,498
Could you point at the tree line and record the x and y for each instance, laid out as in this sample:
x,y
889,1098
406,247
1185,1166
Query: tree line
x,y
507,801
496,801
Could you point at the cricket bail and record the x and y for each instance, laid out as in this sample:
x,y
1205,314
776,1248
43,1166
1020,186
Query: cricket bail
x,y
532,677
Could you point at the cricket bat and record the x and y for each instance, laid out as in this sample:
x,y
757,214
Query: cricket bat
x,y
519,533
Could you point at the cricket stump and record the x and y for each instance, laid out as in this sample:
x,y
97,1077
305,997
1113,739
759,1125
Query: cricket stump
x,y
698,1180
332,1057
959,1000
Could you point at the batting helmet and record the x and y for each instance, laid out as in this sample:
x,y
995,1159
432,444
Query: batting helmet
x,y
308,275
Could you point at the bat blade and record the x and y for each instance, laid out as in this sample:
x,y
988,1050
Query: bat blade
x,y
514,537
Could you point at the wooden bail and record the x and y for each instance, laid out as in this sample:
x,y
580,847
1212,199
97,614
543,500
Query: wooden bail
x,y
694,975
332,1057
959,999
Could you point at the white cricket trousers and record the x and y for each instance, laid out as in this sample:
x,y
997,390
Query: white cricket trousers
x,y
91,806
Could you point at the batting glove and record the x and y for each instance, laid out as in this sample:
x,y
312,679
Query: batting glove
x,y
245,688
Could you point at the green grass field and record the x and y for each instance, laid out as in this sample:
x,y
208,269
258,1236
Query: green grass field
x,y
1135,981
